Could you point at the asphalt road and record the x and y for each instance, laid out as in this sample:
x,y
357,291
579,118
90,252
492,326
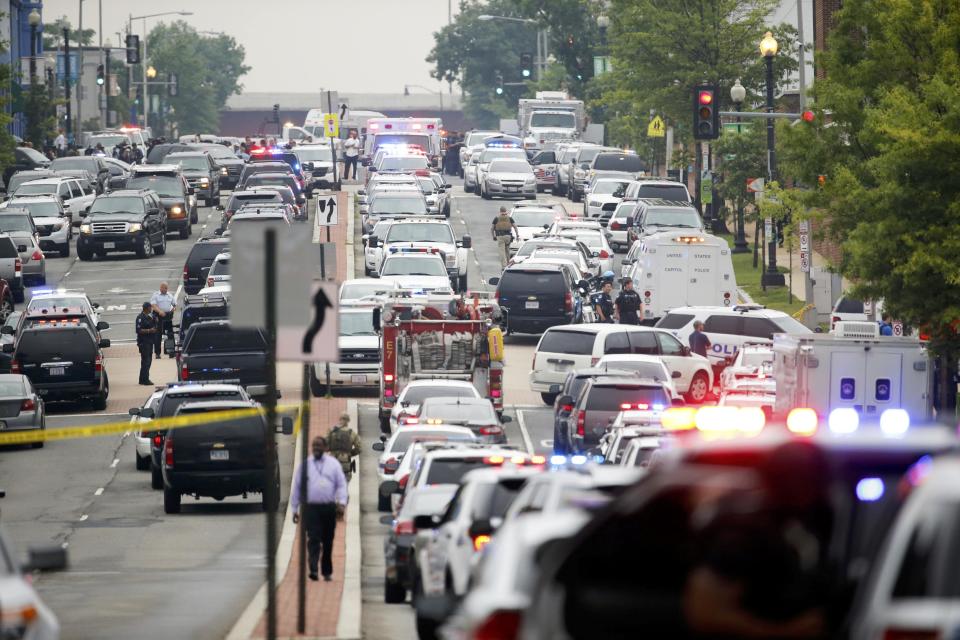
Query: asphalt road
x,y
134,571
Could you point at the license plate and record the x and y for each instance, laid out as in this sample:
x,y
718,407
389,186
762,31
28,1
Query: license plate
x,y
57,371
109,245
219,455
533,304
512,189
358,379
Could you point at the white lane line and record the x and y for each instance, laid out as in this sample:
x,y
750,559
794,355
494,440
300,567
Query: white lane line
x,y
83,517
98,492
66,274
116,461
176,296
524,433
87,415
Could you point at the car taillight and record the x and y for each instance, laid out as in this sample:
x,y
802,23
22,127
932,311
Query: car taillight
x,y
568,301
566,408
499,625
404,527
492,430
157,440
186,273
98,364
614,225
403,481
17,265
391,465
911,634
834,320
479,542
37,255
168,451
604,253
581,422
209,281
14,366
28,405
184,373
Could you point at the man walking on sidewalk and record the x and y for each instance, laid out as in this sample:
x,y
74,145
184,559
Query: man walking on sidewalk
x,y
326,503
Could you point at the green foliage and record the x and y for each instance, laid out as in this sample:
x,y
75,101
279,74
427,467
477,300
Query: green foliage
x,y
741,156
208,70
891,156
53,34
572,36
663,48
40,113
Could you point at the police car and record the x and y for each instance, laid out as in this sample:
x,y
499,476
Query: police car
x,y
414,235
729,328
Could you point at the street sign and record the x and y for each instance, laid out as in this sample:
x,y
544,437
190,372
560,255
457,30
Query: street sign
x,y
804,233
331,125
656,128
706,188
755,185
326,210
898,329
315,339
296,264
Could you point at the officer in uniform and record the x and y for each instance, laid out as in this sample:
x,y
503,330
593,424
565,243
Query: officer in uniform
x,y
163,304
603,303
503,230
344,444
629,305
146,336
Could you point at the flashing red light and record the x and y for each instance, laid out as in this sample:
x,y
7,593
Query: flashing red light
x,y
404,527
157,440
388,377
808,116
495,393
706,97
500,624
581,422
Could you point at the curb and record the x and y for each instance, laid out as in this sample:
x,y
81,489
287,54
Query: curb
x,y
351,601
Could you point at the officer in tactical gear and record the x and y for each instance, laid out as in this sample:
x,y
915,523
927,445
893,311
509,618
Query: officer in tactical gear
x,y
344,444
603,303
628,303
503,230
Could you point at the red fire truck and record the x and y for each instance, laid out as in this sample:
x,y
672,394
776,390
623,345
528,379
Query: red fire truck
x,y
421,338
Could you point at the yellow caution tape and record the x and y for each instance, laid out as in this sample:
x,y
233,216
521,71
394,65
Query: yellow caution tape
x,y
158,424
799,314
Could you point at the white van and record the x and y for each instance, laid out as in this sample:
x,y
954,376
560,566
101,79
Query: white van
x,y
568,348
678,269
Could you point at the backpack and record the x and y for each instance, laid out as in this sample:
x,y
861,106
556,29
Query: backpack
x,y
340,442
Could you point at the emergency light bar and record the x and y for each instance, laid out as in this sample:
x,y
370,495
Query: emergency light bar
x,y
688,239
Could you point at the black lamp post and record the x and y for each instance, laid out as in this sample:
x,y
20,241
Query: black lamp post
x,y
768,49
33,19
738,94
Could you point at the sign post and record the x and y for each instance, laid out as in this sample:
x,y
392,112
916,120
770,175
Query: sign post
x,y
326,211
270,276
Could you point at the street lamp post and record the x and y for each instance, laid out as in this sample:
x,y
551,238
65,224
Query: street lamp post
x,y
33,18
768,49
738,94
143,59
406,92
541,36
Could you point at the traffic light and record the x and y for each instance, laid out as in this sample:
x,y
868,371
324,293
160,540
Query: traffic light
x,y
499,88
706,113
173,85
526,65
276,113
101,77
133,49
139,97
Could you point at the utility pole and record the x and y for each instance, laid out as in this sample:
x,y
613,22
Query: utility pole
x,y
66,81
80,80
106,65
803,64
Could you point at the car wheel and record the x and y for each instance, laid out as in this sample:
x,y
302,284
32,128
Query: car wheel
x,y
185,232
317,388
195,217
18,295
100,402
383,503
467,188
142,463
393,592
385,424
171,501
84,253
161,248
548,398
145,250
426,628
64,249
699,387
156,476
6,308
485,194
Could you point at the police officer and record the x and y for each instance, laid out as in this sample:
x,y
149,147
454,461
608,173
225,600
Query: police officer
x,y
603,303
503,230
163,304
629,306
146,335
344,444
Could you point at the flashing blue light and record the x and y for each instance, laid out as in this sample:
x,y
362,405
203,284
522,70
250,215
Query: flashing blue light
x,y
578,459
42,291
870,489
558,460
919,470
598,459
843,420
658,407
894,422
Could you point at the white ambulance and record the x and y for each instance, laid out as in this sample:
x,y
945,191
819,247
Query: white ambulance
x,y
682,268
422,133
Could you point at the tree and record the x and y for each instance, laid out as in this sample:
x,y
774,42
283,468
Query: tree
x,y
572,34
53,34
225,66
740,155
661,49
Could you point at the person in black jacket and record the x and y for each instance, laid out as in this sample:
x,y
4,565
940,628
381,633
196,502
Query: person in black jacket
x,y
146,327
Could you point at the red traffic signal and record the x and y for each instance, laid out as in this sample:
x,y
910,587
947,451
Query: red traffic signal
x,y
705,97
808,116
706,113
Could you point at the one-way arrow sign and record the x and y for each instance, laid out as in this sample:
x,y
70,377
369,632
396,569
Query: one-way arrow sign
x,y
316,339
327,210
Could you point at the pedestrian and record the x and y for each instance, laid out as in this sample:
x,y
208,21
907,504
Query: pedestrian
x,y
344,444
60,142
163,304
603,303
146,327
886,327
503,230
628,303
699,342
137,153
351,153
326,494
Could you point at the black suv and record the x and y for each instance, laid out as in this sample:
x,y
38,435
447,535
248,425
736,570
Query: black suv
x,y
63,360
220,458
228,165
536,298
213,349
201,173
127,220
263,166
175,195
198,262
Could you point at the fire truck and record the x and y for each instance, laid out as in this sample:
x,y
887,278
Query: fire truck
x,y
422,339
419,133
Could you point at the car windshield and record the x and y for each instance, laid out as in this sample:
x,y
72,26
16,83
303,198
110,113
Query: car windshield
x,y
191,163
453,412
452,470
588,154
405,438
219,151
477,137
426,185
399,140
266,180
36,189
675,192
173,399
53,305
426,232
629,162
355,291
166,186
11,222
394,204
357,324
10,388
533,218
38,209
117,204
684,218
221,339
756,358
50,344
313,154
592,240
786,324
87,164
400,163
529,247
553,120
492,154
416,395
646,369
609,187
108,141
624,209
510,166
409,266
220,267
616,398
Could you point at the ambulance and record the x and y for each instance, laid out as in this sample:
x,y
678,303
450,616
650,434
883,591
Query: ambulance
x,y
355,119
680,269
422,134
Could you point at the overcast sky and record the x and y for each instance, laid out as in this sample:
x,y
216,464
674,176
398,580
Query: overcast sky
x,y
363,46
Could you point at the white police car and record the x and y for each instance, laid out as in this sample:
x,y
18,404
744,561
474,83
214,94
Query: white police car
x,y
729,328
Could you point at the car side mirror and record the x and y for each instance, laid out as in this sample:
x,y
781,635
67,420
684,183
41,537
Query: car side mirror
x,y
585,285
425,521
506,419
377,326
685,351
135,411
103,325
466,242
389,488
447,186
46,558
219,207
191,191
147,412
104,343
8,347
361,192
595,254
373,241
386,519
493,281
554,388
6,330
371,169
377,446
286,425
675,375
626,262
84,214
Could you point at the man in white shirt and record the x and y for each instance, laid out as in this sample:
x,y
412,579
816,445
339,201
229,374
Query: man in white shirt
x,y
60,142
163,304
351,153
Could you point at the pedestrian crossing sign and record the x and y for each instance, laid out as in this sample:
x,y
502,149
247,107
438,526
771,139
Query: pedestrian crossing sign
x,y
331,125
656,128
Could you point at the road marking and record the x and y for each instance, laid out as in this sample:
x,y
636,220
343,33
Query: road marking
x,y
87,415
98,492
115,462
176,296
547,444
523,432
66,274
83,517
